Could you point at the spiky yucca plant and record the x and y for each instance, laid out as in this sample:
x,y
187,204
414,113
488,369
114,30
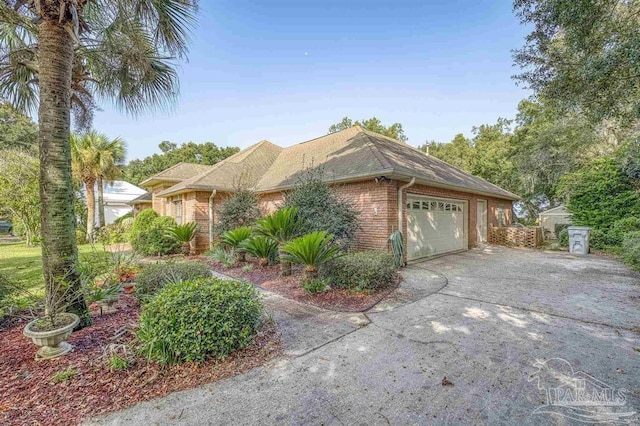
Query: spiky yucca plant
x,y
281,226
184,234
264,248
235,238
311,250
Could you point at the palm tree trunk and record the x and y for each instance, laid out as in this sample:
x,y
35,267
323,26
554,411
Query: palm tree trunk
x,y
100,202
59,250
285,265
311,273
89,186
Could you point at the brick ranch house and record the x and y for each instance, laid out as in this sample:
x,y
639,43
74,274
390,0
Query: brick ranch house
x,y
438,208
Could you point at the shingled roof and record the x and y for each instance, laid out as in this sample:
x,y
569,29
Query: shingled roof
x,y
176,173
350,155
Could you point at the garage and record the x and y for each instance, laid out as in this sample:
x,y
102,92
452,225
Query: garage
x,y
435,226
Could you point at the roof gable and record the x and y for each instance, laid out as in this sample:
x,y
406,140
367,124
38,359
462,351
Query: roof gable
x,y
175,173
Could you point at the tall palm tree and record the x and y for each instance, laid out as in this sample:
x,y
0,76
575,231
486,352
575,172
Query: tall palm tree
x,y
111,155
62,55
93,158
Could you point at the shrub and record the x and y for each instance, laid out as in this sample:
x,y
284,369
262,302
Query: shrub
x,y
198,320
235,239
281,226
264,248
312,250
220,255
558,227
563,238
598,239
321,209
622,227
315,286
241,209
149,234
631,250
183,234
117,232
155,276
369,270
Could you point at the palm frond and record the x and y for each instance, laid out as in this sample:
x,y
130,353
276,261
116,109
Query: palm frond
x,y
312,249
183,233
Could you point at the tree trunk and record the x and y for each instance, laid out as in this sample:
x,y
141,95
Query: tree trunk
x,y
310,273
285,265
90,185
101,202
59,250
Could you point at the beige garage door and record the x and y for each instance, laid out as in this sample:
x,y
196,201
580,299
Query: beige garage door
x,y
434,226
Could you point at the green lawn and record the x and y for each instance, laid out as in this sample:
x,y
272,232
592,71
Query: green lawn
x,y
23,265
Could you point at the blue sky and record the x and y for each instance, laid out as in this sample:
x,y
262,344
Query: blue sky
x,y
286,70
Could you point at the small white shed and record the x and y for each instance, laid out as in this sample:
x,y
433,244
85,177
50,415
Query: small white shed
x,y
552,217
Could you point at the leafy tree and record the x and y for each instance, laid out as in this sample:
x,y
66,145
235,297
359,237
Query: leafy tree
x,y
583,54
599,194
206,153
460,152
17,131
321,209
62,54
241,209
394,131
19,192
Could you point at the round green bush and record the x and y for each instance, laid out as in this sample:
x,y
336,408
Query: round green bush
x,y
622,227
149,234
155,276
363,271
631,250
198,320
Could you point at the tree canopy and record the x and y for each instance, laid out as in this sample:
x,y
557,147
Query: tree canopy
x,y
583,55
17,131
394,131
205,153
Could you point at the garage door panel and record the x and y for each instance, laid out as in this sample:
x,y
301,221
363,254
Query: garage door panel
x,y
434,226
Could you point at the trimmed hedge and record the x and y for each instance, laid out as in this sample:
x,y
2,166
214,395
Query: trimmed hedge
x,y
155,276
198,320
149,234
368,270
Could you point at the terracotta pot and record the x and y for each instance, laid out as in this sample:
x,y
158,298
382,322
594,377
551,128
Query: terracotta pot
x,y
128,288
53,342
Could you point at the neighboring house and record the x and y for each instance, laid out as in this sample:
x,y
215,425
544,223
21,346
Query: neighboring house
x,y
438,208
117,196
552,217
142,202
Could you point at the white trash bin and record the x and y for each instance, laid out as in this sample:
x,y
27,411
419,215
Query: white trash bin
x,y
578,239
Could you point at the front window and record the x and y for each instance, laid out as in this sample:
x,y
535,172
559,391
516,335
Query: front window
x,y
178,209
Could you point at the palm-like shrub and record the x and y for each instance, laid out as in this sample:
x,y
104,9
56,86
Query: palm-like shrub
x,y
264,248
235,239
281,226
311,250
183,234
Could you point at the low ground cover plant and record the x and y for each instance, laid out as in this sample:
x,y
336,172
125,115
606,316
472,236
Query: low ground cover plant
x,y
199,319
156,276
364,271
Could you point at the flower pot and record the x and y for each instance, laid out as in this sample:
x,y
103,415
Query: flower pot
x,y
128,288
52,342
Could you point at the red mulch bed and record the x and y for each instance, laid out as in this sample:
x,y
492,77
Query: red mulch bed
x,y
269,278
27,395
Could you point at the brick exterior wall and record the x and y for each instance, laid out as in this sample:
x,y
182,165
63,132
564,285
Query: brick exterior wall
x,y
137,208
377,203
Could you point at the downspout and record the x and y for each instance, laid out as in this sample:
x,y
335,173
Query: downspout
x,y
400,216
213,194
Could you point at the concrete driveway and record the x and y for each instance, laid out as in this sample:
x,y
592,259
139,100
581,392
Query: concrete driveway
x,y
516,333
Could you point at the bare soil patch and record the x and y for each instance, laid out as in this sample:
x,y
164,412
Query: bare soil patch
x,y
30,395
